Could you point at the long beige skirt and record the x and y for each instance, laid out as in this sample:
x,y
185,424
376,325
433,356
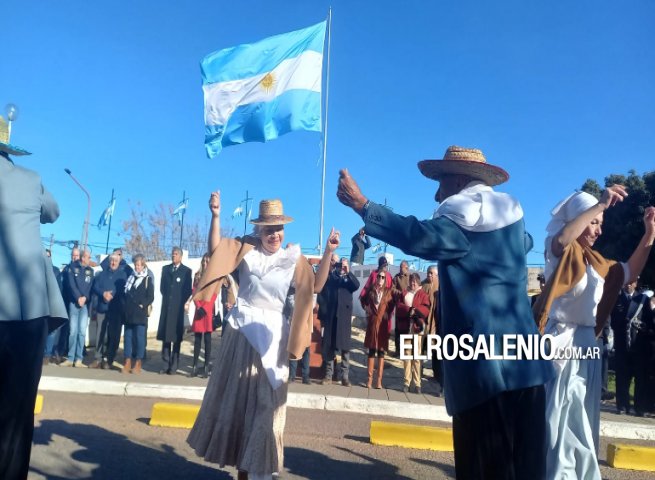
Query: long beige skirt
x,y
241,420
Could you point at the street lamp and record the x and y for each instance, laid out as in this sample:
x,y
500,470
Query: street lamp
x,y
85,235
12,114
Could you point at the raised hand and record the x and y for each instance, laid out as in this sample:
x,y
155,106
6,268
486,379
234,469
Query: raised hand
x,y
613,195
215,203
349,193
333,241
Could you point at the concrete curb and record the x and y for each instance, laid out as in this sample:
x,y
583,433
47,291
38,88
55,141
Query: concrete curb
x,y
631,457
333,403
412,436
38,405
176,415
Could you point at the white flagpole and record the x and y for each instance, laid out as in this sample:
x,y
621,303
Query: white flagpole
x,y
325,129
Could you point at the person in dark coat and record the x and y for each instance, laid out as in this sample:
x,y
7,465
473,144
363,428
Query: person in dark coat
x,y
109,288
628,308
360,243
175,289
139,295
336,300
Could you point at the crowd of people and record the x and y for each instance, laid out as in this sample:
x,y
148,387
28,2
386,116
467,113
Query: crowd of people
x,y
512,418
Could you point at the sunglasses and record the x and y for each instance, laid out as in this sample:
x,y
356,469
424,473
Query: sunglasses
x,y
382,276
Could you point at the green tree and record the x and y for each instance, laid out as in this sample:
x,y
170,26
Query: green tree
x,y
623,224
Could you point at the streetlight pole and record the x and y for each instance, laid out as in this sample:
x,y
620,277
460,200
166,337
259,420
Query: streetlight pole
x,y
85,235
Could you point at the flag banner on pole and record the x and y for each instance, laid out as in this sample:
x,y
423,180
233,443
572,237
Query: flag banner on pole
x,y
237,212
179,210
106,214
259,91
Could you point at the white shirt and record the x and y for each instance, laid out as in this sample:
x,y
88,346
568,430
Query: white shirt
x,y
264,281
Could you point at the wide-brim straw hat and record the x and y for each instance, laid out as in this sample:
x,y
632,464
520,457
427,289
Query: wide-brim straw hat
x,y
5,146
464,161
271,212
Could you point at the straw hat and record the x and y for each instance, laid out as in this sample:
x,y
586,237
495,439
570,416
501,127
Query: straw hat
x,y
464,161
4,139
271,212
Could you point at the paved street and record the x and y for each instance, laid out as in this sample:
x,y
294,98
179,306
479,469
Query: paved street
x,y
106,437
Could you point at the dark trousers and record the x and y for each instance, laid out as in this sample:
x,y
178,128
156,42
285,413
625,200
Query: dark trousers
x,y
304,362
197,338
21,357
503,438
171,358
644,375
329,356
624,369
114,328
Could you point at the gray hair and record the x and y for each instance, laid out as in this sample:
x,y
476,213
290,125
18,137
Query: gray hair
x,y
178,250
139,257
114,256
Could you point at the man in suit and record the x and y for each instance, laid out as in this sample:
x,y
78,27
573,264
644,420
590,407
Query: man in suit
x,y
175,289
628,308
336,300
30,304
360,243
478,236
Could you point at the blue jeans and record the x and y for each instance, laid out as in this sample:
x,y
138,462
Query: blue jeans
x,y
52,344
293,366
79,321
132,333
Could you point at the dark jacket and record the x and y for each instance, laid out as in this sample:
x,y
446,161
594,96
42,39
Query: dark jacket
x,y
137,300
359,246
626,312
336,306
123,265
79,282
482,279
175,289
110,281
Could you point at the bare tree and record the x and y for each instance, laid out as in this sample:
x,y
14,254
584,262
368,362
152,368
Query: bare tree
x,y
155,233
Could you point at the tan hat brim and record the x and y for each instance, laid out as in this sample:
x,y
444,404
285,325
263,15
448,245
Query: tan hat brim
x,y
272,220
12,149
489,174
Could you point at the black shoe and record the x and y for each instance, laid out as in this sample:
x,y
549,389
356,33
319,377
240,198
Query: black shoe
x,y
639,414
418,390
164,371
194,371
306,381
621,411
405,389
345,382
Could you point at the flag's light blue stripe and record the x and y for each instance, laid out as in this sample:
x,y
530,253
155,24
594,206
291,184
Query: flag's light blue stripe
x,y
264,121
248,60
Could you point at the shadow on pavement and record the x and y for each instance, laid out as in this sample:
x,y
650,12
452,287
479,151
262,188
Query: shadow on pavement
x,y
317,466
111,456
444,467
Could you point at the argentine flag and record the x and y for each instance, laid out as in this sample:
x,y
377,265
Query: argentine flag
x,y
257,92
106,214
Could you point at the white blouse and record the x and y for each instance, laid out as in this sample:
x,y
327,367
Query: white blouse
x,y
264,281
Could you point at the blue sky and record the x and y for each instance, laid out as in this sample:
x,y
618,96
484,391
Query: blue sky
x,y
554,92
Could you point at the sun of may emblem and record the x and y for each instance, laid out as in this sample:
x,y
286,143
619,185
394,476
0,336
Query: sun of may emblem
x,y
267,82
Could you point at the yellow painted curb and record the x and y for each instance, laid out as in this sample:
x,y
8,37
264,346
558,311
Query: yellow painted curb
x,y
176,415
632,457
38,406
412,436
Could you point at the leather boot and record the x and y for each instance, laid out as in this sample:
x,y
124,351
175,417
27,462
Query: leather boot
x,y
175,357
378,384
128,366
137,367
371,367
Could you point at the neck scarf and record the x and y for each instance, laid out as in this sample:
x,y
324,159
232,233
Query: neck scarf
x,y
572,267
136,278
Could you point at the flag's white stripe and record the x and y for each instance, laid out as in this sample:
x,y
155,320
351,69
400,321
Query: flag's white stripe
x,y
300,73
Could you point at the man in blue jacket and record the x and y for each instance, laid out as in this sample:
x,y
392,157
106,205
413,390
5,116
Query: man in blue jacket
x,y
478,237
80,278
109,288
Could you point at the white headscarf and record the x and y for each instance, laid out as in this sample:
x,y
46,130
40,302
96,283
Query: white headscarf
x,y
568,209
